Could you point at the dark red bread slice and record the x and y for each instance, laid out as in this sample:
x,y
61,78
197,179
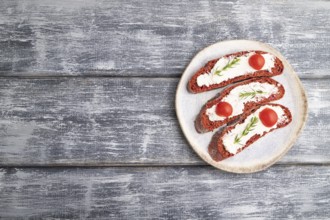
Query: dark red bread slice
x,y
217,149
194,88
204,124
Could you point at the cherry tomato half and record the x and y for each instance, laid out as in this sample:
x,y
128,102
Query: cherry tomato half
x,y
224,109
268,117
257,61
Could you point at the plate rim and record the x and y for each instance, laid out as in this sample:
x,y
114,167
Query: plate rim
x,y
259,167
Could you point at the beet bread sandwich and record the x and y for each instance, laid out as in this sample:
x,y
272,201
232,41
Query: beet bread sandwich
x,y
232,102
254,124
234,67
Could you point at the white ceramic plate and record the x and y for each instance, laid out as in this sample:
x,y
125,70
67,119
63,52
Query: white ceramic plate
x,y
268,149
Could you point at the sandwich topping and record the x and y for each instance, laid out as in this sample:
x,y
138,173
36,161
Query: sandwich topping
x,y
254,124
237,97
223,109
230,67
257,61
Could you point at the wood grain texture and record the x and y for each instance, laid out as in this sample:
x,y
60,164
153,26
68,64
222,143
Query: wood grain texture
x,y
153,38
281,192
119,121
131,122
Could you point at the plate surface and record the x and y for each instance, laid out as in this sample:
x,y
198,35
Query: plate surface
x,y
268,149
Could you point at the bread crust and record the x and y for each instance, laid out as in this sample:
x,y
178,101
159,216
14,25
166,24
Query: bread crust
x,y
216,148
194,88
202,122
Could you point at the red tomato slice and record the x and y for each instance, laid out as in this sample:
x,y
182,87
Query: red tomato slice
x,y
257,61
224,109
268,117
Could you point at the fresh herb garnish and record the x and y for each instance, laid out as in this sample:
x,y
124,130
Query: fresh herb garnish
x,y
229,65
249,127
244,95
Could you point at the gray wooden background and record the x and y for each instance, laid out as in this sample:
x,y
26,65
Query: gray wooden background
x,y
88,126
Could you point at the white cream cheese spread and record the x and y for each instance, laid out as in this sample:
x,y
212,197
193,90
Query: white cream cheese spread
x,y
239,68
230,139
238,96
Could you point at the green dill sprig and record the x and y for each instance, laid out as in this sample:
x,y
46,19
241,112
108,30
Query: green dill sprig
x,y
229,65
249,127
244,95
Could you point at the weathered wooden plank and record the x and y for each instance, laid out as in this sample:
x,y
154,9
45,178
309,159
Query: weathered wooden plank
x,y
72,37
281,192
119,121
